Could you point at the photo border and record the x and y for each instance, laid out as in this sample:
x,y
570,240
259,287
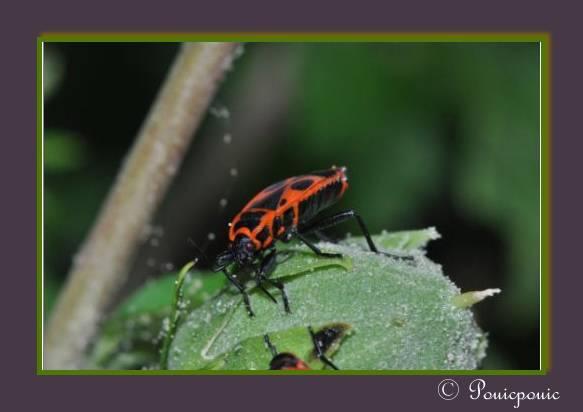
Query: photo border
x,y
544,38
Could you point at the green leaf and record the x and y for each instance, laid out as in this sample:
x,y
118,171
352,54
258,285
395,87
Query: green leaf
x,y
405,240
401,313
132,335
295,340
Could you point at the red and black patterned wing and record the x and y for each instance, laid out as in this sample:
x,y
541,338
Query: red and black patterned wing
x,y
294,189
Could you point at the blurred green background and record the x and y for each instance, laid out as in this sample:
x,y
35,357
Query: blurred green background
x,y
433,134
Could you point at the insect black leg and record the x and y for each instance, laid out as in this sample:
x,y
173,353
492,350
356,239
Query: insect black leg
x,y
269,295
260,275
315,248
270,345
242,290
317,345
267,266
279,285
336,220
342,217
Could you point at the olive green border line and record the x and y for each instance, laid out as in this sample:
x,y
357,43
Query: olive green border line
x,y
546,204
404,372
543,38
291,36
39,206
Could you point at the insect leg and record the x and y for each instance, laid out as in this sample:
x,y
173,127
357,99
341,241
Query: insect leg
x,y
342,217
279,285
267,266
317,345
242,290
260,286
270,345
260,278
315,248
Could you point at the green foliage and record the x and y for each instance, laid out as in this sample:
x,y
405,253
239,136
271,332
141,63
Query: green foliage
x,y
460,120
63,151
293,340
402,313
176,309
384,115
131,337
427,131
498,179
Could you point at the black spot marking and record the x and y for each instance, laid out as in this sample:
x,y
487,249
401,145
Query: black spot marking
x,y
288,218
283,201
270,201
324,173
275,186
249,220
302,184
276,225
263,235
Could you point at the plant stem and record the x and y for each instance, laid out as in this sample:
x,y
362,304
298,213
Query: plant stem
x,y
102,264
174,315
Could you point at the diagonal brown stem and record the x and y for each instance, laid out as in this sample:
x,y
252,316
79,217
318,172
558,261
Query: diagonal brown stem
x,y
102,264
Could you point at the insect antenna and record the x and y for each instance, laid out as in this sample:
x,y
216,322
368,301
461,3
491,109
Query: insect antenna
x,y
201,255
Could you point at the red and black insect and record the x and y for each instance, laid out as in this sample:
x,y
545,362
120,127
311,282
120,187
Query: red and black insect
x,y
283,211
323,341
